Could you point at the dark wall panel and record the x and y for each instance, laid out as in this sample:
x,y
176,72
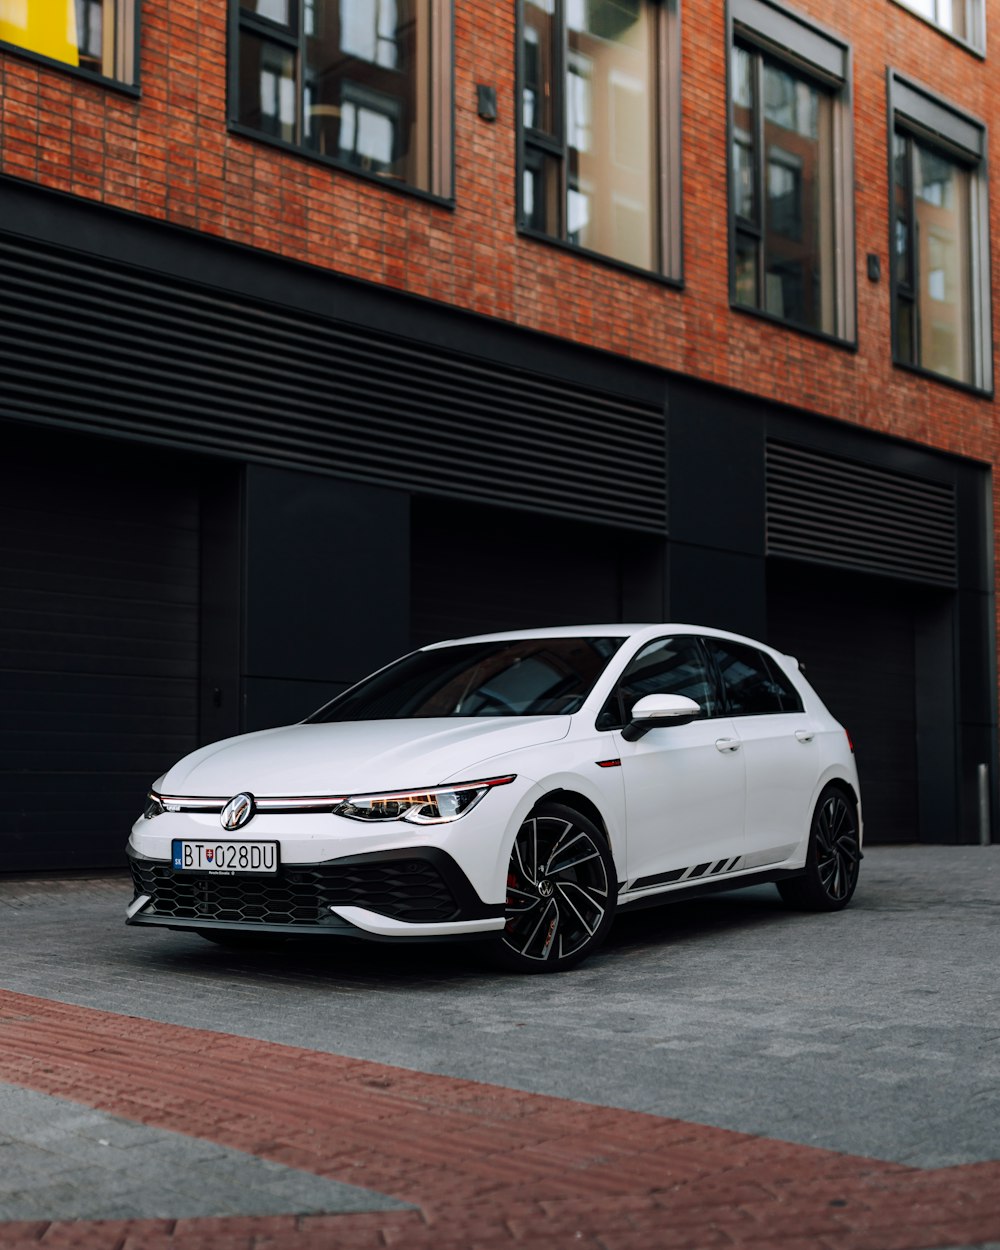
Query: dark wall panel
x,y
716,469
724,589
327,589
856,638
99,560
477,570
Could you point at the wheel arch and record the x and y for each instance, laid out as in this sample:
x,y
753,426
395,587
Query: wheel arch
x,y
850,792
586,807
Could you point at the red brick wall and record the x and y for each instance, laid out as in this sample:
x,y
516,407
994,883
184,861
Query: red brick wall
x,y
168,155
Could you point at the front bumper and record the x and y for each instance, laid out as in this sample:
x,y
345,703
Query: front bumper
x,y
414,893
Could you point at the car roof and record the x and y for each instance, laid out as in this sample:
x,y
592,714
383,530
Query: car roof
x,y
654,629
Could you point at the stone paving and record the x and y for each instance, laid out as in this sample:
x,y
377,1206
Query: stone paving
x,y
63,1161
472,1161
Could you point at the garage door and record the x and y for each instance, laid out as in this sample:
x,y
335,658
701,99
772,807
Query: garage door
x,y
99,644
855,636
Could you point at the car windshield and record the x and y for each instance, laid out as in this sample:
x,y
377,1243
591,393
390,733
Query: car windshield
x,y
515,677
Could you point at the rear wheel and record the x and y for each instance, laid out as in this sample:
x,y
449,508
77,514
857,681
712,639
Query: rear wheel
x,y
561,892
833,858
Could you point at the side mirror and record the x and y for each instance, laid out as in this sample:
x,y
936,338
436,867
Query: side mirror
x,y
656,711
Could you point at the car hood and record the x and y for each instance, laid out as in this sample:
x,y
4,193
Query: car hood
x,y
354,757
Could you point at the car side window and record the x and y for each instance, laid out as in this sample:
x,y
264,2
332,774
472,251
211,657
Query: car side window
x,y
754,687
791,700
667,666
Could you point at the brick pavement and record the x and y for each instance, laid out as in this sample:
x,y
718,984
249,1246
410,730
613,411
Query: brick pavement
x,y
485,1166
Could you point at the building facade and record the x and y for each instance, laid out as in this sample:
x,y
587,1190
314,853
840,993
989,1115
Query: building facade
x,y
334,327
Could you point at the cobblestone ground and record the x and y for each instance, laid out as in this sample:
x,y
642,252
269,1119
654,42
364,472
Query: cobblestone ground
x,y
230,1121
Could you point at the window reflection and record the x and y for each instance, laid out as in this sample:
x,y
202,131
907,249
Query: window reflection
x,y
609,72
369,30
783,192
360,73
88,34
933,295
601,165
267,87
360,98
955,16
367,130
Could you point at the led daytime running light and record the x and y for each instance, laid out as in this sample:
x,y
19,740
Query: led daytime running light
x,y
153,806
433,806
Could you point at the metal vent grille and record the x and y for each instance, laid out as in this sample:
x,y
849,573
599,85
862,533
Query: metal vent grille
x,y
100,347
827,510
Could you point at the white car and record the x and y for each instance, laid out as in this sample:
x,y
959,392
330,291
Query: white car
x,y
519,788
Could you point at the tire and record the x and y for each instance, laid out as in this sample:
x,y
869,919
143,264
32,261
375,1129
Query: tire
x,y
832,859
561,892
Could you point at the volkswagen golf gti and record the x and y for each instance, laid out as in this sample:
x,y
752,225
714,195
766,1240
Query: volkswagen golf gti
x,y
518,788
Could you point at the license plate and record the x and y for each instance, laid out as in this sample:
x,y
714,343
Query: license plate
x,y
224,859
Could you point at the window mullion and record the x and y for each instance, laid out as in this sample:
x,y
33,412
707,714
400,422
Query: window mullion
x,y
560,57
759,172
914,244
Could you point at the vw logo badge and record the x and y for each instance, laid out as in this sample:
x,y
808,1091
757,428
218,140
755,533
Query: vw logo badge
x,y
237,811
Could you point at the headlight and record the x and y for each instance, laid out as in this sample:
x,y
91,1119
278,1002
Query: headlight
x,y
435,806
153,806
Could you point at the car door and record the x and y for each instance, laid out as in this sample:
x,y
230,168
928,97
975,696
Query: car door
x,y
779,747
684,784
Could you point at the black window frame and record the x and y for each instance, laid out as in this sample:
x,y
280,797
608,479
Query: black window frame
x,y
292,37
920,116
127,54
535,146
771,32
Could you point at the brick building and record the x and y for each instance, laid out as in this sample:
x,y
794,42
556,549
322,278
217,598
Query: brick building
x,y
337,326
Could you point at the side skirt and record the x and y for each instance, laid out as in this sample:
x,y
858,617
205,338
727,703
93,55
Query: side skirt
x,y
715,885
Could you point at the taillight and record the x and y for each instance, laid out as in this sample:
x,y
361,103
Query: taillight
x,y
850,740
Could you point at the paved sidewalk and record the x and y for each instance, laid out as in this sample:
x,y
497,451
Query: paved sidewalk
x,y
484,1166
247,1100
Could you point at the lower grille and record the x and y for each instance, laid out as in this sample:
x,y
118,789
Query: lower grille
x,y
405,889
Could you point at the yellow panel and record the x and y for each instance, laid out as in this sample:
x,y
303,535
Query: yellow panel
x,y
45,26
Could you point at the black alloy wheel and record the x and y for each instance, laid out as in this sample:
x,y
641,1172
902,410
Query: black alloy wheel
x,y
833,858
561,892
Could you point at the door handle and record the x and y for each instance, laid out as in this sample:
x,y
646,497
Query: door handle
x,y
727,744
804,735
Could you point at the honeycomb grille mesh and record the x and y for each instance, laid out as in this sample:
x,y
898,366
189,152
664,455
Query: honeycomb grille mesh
x,y
409,890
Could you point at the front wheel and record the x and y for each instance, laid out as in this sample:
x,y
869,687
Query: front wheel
x,y
561,892
833,858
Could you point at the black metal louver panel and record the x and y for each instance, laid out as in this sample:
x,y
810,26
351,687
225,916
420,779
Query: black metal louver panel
x,y
828,510
104,348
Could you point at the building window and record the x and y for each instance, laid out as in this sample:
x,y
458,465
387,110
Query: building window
x,y
599,125
964,19
939,246
363,83
792,240
93,35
